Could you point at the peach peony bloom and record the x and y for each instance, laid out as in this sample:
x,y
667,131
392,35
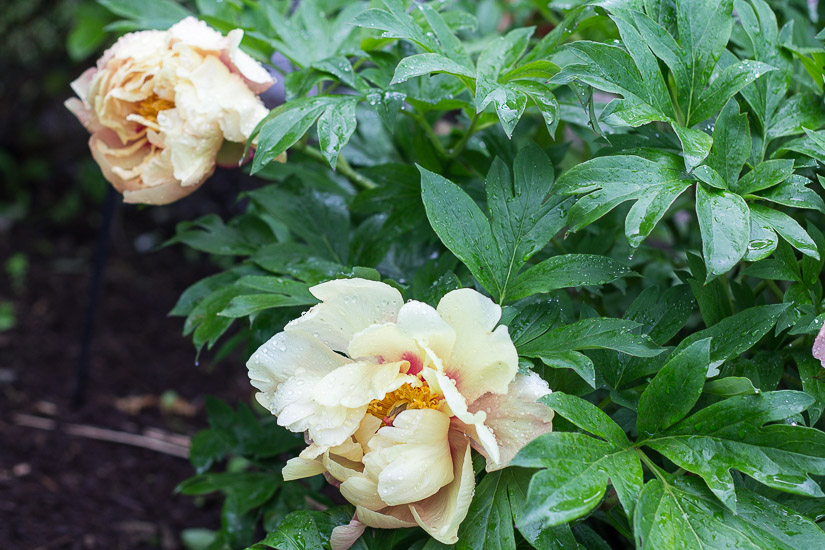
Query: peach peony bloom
x,y
392,396
160,104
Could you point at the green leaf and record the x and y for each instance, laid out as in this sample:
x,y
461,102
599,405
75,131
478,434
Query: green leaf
x,y
610,181
306,530
570,270
593,333
426,63
149,14
247,304
574,476
736,334
463,228
736,434
587,416
787,227
727,84
681,513
731,144
577,362
675,389
730,386
704,29
489,521
285,125
696,145
811,375
724,221
335,127
764,175
524,219
793,192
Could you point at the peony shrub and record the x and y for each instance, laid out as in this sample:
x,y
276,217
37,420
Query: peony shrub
x,y
525,275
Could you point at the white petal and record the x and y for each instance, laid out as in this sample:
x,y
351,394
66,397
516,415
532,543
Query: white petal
x,y
482,361
411,459
348,306
357,384
287,354
515,417
422,323
383,342
441,514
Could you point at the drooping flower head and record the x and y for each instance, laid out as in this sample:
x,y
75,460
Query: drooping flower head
x,y
160,104
392,396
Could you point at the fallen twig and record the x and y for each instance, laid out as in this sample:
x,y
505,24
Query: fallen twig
x,y
154,440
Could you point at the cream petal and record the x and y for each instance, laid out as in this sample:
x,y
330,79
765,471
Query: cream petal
x,y
411,459
395,517
299,468
441,514
344,536
362,491
348,306
357,384
422,323
256,77
481,361
515,418
384,342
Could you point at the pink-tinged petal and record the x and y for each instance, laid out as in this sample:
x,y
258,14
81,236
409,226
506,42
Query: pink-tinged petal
x,y
515,417
384,343
818,350
424,325
347,307
299,468
81,84
410,459
482,361
441,514
344,536
394,517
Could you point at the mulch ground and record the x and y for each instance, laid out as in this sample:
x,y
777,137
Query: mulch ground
x,y
59,490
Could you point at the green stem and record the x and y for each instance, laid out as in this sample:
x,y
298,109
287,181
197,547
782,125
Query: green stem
x,y
428,130
658,472
342,168
456,150
775,289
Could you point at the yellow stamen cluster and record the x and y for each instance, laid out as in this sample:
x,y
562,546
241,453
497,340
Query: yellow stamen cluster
x,y
405,397
151,106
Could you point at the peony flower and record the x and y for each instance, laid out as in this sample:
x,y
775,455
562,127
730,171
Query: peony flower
x,y
392,396
159,105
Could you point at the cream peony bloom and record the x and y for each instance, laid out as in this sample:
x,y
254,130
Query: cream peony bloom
x,y
393,395
160,104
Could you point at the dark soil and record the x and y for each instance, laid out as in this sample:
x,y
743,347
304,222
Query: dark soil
x,y
64,491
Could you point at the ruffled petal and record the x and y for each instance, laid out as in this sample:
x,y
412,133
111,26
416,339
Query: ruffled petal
x,y
441,514
288,354
348,306
515,418
411,459
356,384
481,361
